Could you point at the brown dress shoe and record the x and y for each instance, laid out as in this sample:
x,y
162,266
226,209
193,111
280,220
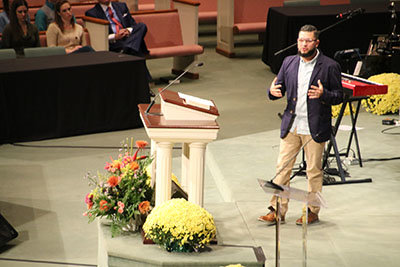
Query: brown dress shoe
x,y
312,218
270,218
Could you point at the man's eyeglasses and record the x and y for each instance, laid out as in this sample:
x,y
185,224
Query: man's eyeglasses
x,y
307,41
66,10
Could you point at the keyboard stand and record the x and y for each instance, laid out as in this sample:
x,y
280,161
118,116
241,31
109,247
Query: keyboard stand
x,y
332,143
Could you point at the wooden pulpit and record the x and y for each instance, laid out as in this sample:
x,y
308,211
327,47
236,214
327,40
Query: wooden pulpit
x,y
182,119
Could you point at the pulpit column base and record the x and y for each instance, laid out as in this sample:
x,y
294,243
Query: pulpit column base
x,y
163,172
196,173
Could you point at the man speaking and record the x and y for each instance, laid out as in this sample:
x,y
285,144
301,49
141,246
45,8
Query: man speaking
x,y
312,83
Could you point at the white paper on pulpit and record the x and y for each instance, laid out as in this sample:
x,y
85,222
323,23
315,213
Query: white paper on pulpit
x,y
196,101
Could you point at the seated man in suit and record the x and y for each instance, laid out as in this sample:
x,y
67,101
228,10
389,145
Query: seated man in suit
x,y
125,35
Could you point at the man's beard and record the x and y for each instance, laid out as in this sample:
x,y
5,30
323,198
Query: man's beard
x,y
308,54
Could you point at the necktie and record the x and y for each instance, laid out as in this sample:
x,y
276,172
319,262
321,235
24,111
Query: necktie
x,y
118,25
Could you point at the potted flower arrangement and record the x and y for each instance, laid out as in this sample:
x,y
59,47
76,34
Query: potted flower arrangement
x,y
124,193
181,226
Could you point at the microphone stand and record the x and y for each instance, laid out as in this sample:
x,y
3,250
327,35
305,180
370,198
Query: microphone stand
x,y
290,159
147,112
350,16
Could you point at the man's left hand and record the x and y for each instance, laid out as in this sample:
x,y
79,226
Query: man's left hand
x,y
316,91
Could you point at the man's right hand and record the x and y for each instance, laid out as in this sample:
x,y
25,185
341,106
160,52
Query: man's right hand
x,y
122,34
275,89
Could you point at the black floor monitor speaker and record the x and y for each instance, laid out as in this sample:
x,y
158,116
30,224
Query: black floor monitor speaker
x,y
7,232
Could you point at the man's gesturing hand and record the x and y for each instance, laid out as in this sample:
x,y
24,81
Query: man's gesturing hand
x,y
275,89
316,92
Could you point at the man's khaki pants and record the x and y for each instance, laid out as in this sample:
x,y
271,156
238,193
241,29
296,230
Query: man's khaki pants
x,y
289,146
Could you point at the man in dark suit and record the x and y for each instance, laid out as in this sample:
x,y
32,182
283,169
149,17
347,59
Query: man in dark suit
x,y
312,83
125,34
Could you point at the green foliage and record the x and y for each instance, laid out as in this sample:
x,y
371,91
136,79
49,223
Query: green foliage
x,y
122,193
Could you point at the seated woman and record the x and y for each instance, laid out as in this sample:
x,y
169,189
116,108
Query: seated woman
x,y
4,15
65,32
19,33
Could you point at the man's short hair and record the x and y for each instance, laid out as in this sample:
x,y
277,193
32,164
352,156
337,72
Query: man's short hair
x,y
310,28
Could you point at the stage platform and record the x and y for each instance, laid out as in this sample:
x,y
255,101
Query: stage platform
x,y
356,216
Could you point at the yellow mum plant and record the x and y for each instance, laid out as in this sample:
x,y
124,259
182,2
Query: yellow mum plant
x,y
387,103
336,110
179,225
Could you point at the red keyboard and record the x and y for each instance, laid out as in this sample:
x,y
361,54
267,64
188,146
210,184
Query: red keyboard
x,y
356,86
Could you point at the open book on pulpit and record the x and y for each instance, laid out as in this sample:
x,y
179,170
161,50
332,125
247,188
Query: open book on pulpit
x,y
179,106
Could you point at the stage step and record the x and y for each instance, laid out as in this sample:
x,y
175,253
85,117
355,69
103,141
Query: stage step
x,y
235,245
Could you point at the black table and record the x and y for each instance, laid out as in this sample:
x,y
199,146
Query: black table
x,y
57,96
283,24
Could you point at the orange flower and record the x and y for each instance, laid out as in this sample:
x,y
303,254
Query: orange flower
x,y
116,164
113,181
144,207
103,205
141,144
133,166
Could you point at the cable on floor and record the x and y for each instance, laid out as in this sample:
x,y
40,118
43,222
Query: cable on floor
x,y
384,131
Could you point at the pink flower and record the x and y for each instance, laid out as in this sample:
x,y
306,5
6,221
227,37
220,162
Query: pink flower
x,y
121,206
89,200
127,159
113,166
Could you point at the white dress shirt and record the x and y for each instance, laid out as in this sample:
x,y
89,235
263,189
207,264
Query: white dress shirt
x,y
111,37
303,81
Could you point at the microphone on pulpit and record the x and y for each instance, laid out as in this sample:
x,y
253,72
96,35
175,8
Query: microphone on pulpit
x,y
168,85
